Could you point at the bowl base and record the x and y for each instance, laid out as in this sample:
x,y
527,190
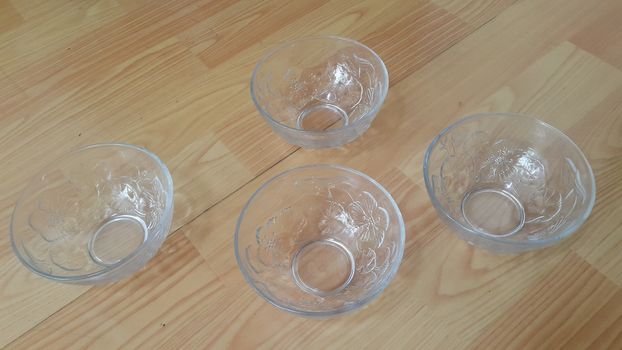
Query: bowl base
x,y
323,267
321,117
117,238
493,212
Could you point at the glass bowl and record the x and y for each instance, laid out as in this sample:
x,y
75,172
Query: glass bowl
x,y
320,91
95,215
508,183
319,240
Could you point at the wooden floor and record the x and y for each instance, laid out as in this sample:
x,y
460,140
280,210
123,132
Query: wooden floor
x,y
173,76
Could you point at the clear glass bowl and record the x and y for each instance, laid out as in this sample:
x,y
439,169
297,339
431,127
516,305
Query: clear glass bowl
x,y
95,215
320,91
319,240
508,183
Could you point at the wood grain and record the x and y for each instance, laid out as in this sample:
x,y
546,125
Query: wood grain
x,y
173,76
568,299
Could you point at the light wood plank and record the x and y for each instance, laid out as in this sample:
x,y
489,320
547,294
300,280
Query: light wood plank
x,y
132,313
603,38
573,297
475,12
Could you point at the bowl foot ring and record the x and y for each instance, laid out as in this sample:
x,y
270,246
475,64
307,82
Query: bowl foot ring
x,y
493,212
321,117
116,239
323,267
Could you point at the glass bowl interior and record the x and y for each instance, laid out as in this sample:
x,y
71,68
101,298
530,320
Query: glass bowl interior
x,y
319,84
319,240
509,179
96,214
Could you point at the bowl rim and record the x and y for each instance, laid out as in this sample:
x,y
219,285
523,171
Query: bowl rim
x,y
286,44
91,276
504,240
347,308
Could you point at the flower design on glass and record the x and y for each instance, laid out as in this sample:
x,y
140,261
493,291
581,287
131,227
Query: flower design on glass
x,y
500,162
335,219
543,205
370,220
56,214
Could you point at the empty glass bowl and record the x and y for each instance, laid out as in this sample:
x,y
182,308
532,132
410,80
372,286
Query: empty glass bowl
x,y
508,183
320,91
95,215
319,240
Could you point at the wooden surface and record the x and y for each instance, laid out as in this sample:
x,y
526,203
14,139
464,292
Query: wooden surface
x,y
173,76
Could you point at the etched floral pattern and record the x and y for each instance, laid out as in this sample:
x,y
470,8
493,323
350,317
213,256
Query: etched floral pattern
x,y
75,200
279,232
56,213
370,220
348,78
471,161
335,219
325,210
